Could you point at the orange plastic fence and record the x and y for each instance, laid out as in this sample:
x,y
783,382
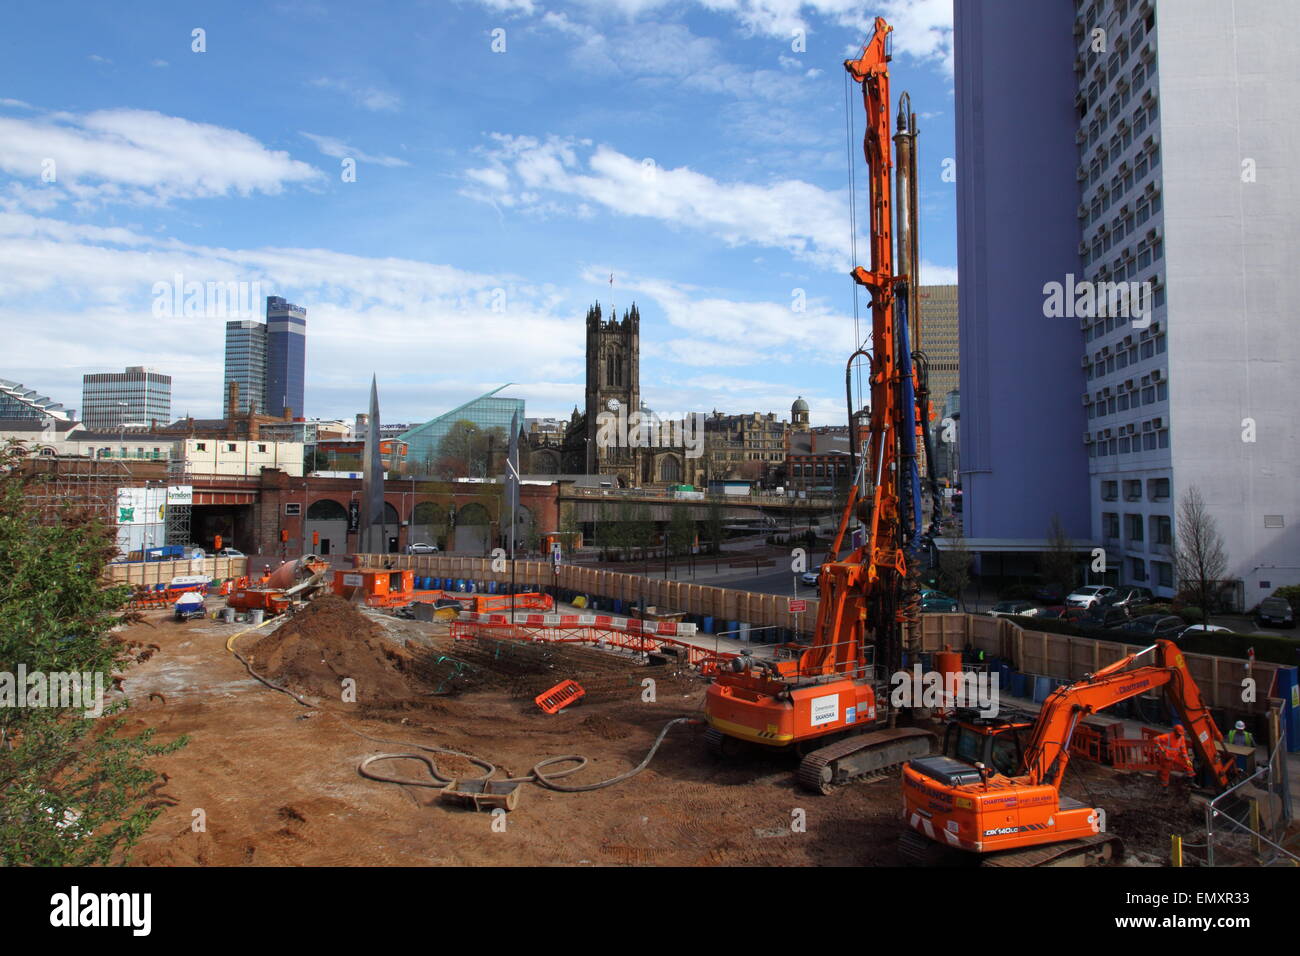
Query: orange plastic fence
x,y
705,660
559,697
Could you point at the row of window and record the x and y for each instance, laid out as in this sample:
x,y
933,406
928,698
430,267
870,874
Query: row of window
x,y
1158,392
230,447
1157,489
1161,528
1128,444
1106,364
821,470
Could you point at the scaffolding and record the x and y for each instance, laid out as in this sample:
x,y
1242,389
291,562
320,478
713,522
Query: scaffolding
x,y
58,487
177,516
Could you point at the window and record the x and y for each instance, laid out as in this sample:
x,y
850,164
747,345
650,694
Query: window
x,y
1164,574
1137,569
1162,529
261,449
1133,527
1133,490
1109,525
200,446
1158,489
230,446
1109,490
1273,521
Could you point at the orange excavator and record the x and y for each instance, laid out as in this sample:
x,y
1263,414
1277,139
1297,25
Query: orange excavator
x,y
988,795
826,701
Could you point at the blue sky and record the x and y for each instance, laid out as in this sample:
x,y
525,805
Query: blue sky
x,y
686,147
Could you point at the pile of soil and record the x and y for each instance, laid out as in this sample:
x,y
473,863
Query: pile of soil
x,y
604,728
328,641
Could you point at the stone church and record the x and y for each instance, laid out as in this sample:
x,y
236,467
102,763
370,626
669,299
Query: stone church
x,y
612,398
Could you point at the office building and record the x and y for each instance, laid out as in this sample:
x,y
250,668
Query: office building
x,y
245,366
138,396
1171,364
286,357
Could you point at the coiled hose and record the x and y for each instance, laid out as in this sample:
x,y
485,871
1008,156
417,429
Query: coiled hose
x,y
537,775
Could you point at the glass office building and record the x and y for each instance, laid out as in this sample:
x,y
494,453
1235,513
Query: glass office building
x,y
245,364
488,411
286,356
137,396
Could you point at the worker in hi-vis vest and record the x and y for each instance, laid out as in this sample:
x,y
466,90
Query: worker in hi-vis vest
x,y
1239,736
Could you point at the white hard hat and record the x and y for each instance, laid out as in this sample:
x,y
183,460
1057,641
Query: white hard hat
x,y
1241,725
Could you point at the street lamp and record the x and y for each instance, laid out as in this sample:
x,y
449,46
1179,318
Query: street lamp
x,y
121,426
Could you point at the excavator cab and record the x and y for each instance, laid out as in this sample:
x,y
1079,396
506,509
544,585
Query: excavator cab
x,y
994,742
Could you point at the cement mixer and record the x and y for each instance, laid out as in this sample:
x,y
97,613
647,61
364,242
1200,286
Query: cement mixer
x,y
293,582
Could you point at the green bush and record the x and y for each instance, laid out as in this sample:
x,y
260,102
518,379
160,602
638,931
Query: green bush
x,y
1273,648
1292,594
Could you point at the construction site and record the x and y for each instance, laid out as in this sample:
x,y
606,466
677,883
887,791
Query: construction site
x,y
295,773
430,709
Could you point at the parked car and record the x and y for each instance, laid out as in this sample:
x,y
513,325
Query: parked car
x,y
936,602
421,547
1013,609
1129,597
811,576
1155,625
1101,618
230,553
1062,613
1274,611
1046,594
1206,629
1087,596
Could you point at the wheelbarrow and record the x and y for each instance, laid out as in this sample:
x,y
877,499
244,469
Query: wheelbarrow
x,y
482,794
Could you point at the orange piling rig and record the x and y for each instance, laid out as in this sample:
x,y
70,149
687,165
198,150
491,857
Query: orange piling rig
x,y
831,690
1007,803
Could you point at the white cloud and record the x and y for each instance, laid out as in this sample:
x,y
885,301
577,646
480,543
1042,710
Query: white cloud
x,y
341,150
809,222
76,298
140,156
367,97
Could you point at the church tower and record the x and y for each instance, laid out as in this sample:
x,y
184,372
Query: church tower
x,y
613,386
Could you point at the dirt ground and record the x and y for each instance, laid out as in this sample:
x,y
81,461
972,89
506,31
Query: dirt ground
x,y
267,781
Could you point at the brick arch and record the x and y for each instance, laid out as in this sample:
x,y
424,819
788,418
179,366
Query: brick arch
x,y
326,509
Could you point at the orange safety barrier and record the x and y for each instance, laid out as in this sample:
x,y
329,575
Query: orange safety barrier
x,y
531,601
559,697
1153,752
705,660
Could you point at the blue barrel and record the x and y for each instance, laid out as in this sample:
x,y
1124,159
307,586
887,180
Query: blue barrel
x,y
1004,675
1018,684
1042,688
460,584
707,625
1286,689
618,605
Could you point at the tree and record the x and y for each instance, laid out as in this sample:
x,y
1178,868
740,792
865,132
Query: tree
x,y
681,530
468,451
1057,564
1199,559
72,789
954,568
713,527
